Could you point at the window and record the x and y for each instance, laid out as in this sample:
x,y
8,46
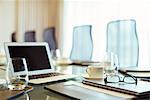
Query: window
x,y
98,13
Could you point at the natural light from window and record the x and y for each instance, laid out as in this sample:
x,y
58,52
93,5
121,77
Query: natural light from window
x,y
98,13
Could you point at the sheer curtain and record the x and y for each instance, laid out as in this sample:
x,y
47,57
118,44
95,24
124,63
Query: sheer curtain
x,y
98,13
35,15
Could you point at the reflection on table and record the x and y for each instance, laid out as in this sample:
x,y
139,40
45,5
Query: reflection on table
x,y
39,93
72,66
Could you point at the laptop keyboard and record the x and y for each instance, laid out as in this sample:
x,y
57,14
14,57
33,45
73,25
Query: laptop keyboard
x,y
45,75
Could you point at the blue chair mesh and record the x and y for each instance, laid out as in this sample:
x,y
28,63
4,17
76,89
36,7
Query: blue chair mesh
x,y
49,37
82,46
122,40
30,36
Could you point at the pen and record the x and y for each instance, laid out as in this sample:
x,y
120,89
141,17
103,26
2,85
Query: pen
x,y
145,79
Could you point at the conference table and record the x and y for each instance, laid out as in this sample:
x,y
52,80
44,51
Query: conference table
x,y
39,93
79,90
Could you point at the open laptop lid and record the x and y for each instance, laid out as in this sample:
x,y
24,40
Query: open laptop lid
x,y
37,55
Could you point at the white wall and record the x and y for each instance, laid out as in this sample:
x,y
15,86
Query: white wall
x,y
7,19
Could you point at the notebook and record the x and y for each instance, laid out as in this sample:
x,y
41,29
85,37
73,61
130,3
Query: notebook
x,y
141,89
138,72
136,69
38,58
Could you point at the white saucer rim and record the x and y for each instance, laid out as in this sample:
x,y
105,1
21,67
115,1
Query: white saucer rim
x,y
86,76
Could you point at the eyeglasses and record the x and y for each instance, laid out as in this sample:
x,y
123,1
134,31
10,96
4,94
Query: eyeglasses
x,y
116,79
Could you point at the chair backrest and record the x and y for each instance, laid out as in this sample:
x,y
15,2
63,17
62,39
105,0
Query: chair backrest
x,y
29,36
82,45
122,40
13,37
49,37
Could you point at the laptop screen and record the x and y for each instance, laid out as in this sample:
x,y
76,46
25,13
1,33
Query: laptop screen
x,y
36,56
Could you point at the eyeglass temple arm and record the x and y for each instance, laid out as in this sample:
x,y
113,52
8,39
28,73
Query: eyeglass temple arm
x,y
126,74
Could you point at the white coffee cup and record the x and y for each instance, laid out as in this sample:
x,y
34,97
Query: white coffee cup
x,y
95,71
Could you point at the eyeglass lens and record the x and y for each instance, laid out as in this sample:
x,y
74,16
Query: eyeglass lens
x,y
116,78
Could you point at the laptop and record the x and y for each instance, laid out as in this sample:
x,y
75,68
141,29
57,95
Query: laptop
x,y
39,62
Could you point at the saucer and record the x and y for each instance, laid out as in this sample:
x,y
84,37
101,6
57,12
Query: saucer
x,y
86,76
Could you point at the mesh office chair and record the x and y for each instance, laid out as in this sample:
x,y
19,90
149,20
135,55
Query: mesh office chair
x,y
122,40
82,47
49,37
29,36
13,37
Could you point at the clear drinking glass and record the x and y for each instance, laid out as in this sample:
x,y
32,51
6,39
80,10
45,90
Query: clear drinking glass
x,y
110,63
17,74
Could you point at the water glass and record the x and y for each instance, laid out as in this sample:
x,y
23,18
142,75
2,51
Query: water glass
x,y
110,63
55,54
17,74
